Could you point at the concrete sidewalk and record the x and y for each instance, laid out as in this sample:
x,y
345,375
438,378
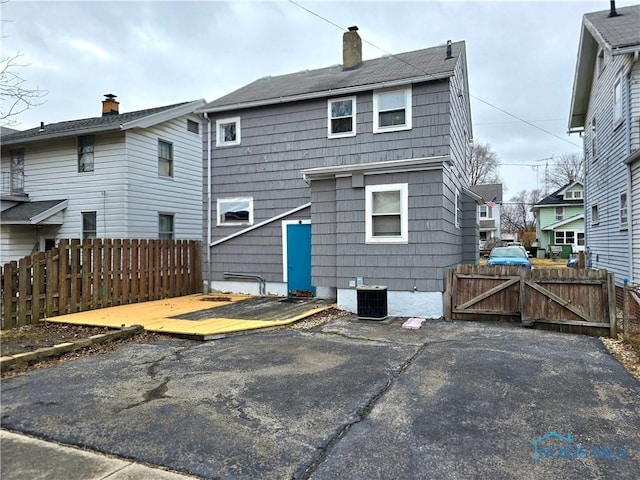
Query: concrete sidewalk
x,y
26,457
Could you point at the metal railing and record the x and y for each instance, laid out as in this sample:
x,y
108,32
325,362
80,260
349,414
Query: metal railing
x,y
12,183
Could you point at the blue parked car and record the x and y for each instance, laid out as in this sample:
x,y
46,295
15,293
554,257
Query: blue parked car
x,y
509,256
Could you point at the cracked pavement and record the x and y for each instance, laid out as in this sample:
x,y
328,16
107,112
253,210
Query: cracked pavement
x,y
349,400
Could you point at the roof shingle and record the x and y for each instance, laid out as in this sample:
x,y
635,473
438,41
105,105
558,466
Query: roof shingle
x,y
620,31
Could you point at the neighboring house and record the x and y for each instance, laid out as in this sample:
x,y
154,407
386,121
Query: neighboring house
x,y
322,180
560,218
121,175
605,108
489,212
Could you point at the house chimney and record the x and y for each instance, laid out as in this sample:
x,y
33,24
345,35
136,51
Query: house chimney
x,y
449,50
110,105
612,10
351,49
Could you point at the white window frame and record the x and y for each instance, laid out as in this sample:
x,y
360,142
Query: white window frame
x,y
85,216
595,219
222,201
617,102
559,213
352,133
225,121
623,211
86,153
168,161
407,115
457,209
403,188
484,208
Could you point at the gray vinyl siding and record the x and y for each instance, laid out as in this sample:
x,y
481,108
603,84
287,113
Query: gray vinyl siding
x,y
470,230
258,252
420,262
278,142
461,132
607,243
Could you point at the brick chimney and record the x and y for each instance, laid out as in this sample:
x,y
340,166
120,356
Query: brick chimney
x,y
351,49
110,105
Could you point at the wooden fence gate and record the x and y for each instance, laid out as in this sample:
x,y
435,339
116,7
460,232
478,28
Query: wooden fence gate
x,y
78,276
567,300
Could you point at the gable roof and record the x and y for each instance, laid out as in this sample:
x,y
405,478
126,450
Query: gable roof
x,y
488,191
557,199
105,123
402,69
563,222
618,35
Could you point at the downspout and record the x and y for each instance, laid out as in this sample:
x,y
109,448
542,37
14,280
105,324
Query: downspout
x,y
209,231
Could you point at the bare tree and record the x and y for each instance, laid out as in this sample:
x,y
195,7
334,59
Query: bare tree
x,y
15,95
516,215
482,165
568,168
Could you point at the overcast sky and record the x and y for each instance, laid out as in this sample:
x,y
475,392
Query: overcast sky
x,y
521,57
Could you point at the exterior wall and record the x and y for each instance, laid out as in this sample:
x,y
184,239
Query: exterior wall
x,y
634,216
607,243
461,130
51,173
16,241
277,142
124,189
470,231
148,194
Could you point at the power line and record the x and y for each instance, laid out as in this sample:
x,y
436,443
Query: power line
x,y
431,75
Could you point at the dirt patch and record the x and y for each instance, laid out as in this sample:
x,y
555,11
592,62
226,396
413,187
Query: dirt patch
x,y
625,353
47,334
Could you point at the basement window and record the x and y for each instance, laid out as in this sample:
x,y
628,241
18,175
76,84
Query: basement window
x,y
235,211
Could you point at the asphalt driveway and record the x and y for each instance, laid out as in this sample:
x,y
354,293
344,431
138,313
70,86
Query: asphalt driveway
x,y
349,401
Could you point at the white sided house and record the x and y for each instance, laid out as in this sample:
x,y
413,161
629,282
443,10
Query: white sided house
x,y
120,175
605,108
353,175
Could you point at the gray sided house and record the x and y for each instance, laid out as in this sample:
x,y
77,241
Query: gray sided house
x,y
605,107
120,175
319,181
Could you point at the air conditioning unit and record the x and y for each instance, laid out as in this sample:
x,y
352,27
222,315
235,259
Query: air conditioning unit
x,y
372,302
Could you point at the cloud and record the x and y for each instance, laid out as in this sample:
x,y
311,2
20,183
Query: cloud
x,y
88,47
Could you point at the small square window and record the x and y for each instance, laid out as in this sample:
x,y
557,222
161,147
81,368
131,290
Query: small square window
x,y
342,117
85,153
392,110
228,132
386,213
235,211
165,226
89,225
165,159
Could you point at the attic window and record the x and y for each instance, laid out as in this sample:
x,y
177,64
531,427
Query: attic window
x,y
193,127
228,132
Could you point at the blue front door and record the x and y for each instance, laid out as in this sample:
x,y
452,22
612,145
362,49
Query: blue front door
x,y
299,260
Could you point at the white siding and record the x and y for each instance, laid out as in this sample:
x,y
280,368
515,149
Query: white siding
x,y
635,220
606,176
16,242
149,194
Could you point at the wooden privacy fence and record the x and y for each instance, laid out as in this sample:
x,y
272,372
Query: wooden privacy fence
x,y
568,300
76,276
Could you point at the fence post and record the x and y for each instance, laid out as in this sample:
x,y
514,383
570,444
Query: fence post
x,y
24,289
9,295
38,285
613,332
625,309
